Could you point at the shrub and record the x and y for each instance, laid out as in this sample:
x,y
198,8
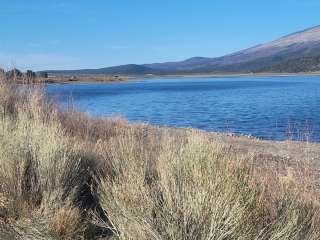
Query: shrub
x,y
198,190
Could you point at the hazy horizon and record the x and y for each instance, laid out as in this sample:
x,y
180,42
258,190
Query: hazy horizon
x,y
78,34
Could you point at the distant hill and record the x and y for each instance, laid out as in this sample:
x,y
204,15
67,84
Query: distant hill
x,y
122,69
297,52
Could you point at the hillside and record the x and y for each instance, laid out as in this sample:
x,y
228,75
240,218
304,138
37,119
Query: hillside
x,y
122,69
297,52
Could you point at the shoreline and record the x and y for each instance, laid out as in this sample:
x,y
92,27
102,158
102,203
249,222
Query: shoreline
x,y
70,79
236,75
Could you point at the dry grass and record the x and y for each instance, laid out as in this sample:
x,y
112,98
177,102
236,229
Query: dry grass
x,y
64,175
66,221
198,189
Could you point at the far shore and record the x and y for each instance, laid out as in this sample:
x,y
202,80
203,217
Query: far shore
x,y
240,75
86,78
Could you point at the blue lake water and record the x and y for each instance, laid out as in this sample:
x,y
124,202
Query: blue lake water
x,y
267,107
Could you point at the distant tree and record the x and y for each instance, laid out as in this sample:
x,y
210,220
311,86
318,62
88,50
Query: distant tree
x,y
30,74
14,73
2,71
43,74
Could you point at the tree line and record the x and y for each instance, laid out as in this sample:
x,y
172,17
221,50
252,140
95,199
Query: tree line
x,y
17,74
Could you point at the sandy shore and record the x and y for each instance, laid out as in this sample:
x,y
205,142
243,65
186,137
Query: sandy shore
x,y
294,150
86,79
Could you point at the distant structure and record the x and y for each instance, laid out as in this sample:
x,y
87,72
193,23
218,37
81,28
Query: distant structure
x,y
73,78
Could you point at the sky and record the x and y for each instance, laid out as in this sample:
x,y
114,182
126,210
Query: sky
x,y
74,34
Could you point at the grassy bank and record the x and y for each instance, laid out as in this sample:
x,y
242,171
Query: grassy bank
x,y
64,175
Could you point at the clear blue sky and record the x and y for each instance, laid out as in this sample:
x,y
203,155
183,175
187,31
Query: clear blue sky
x,y
61,34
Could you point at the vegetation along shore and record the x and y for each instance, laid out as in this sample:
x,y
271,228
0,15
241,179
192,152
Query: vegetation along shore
x,y
30,76
43,77
65,175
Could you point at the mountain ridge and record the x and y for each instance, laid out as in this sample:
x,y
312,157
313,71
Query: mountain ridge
x,y
286,52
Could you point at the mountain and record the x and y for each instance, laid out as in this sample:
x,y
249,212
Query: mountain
x,y
297,52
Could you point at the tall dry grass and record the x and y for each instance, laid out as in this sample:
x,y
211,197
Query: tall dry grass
x,y
43,171
64,175
197,189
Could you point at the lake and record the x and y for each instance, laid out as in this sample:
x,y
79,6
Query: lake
x,y
276,108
